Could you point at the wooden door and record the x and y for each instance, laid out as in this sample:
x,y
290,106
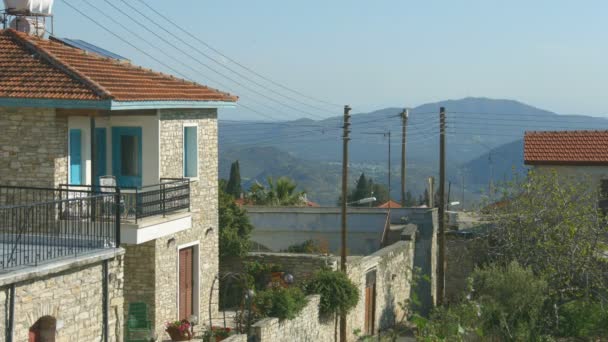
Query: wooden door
x,y
370,302
186,282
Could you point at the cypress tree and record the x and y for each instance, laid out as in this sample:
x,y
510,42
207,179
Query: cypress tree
x,y
234,183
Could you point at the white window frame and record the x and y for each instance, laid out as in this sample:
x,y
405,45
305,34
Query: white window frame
x,y
190,124
196,294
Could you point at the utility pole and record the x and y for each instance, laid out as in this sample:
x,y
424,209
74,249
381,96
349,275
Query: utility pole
x,y
389,169
345,139
404,115
442,262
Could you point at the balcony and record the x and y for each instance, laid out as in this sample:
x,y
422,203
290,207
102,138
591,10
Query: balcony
x,y
151,211
41,225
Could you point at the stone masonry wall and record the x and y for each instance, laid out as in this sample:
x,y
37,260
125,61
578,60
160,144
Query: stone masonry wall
x,y
73,297
33,147
393,266
140,270
305,327
204,207
301,266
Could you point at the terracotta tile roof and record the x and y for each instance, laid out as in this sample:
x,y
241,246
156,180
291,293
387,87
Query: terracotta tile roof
x,y
566,148
389,204
37,68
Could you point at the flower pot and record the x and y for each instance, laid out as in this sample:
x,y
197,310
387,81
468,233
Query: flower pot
x,y
177,335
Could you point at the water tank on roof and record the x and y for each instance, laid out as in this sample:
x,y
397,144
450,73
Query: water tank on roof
x,y
28,25
35,7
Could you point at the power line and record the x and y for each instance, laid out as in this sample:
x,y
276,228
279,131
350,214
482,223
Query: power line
x,y
234,61
210,58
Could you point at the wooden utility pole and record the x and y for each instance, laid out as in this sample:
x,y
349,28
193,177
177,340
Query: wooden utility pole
x,y
442,262
389,169
404,115
345,139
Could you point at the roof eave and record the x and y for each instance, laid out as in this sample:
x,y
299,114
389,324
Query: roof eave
x,y
111,105
564,163
132,105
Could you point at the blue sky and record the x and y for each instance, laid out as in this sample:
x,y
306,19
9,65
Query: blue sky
x,y
375,54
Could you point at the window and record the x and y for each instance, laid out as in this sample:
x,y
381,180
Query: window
x,y
129,155
190,151
75,142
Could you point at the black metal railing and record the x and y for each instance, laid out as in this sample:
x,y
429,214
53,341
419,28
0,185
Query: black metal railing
x,y
170,195
42,224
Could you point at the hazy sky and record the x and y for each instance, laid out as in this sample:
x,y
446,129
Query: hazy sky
x,y
374,54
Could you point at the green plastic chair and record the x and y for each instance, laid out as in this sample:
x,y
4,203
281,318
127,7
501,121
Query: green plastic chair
x,y
138,322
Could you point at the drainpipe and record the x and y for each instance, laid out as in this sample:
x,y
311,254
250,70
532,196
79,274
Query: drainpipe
x,y
105,301
11,315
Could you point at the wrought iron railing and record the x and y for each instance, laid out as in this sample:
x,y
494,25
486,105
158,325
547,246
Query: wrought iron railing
x,y
42,224
170,195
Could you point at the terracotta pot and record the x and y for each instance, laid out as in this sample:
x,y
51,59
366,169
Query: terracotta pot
x,y
176,335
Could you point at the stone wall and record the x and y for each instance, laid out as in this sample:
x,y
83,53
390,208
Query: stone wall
x,y
73,297
140,271
301,266
204,207
307,326
23,156
393,266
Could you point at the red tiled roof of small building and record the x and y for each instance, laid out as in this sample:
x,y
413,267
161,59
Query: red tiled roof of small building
x,y
566,148
35,68
389,204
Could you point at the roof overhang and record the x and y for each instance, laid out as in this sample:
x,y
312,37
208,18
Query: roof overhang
x,y
564,163
111,104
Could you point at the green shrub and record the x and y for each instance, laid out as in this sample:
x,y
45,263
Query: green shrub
x,y
338,293
282,303
583,319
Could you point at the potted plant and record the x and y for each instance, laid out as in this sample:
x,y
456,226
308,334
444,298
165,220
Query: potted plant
x,y
179,330
217,334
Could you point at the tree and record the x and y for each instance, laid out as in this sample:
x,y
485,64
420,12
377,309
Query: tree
x,y
280,193
235,228
234,183
410,201
552,225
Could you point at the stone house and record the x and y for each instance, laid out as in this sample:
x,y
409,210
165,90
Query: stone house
x,y
580,154
84,125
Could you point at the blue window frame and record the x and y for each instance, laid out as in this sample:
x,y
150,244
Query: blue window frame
x,y
75,143
190,151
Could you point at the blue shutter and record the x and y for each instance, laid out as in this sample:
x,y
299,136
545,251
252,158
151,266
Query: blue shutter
x,y
75,156
190,151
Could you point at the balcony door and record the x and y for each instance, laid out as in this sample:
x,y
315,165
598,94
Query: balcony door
x,y
127,156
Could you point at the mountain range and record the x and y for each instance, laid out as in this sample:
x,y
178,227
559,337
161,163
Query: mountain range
x,y
484,144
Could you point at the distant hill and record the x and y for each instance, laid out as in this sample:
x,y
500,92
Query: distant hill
x,y
310,151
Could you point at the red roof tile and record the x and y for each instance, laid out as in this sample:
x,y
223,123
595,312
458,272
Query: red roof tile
x,y
566,148
42,69
389,204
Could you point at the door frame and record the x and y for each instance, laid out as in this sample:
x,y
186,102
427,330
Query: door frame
x,y
117,132
195,278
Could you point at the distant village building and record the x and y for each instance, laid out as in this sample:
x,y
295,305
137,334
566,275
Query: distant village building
x,y
581,154
76,127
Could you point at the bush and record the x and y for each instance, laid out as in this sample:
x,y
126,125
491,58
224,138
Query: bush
x,y
282,303
583,319
308,247
507,304
338,293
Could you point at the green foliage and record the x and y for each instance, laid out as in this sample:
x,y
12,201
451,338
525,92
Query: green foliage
x,y
280,193
279,302
584,319
235,228
233,187
308,247
364,188
338,293
507,304
552,225
258,274
410,200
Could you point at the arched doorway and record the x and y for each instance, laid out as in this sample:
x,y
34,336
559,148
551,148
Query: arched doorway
x,y
43,330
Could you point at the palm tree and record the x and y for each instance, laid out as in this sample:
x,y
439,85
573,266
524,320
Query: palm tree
x,y
280,193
